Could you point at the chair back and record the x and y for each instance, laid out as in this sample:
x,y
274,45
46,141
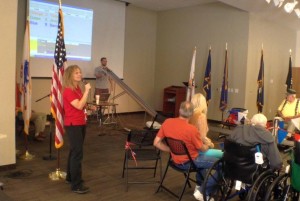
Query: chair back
x,y
142,137
239,161
178,147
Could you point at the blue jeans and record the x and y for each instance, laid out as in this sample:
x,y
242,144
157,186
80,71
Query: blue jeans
x,y
203,162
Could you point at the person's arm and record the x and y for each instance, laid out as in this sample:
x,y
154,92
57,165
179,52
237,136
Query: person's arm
x,y
158,143
274,156
79,104
198,143
98,73
203,130
279,113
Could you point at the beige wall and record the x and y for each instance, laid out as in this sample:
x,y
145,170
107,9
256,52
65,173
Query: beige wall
x,y
139,63
277,41
202,26
8,37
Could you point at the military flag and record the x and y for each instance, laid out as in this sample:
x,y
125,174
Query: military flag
x,y
260,83
224,90
207,78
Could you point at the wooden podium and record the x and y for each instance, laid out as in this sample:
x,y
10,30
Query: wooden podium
x,y
173,96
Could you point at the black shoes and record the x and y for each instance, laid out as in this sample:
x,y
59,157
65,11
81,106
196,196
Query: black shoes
x,y
81,190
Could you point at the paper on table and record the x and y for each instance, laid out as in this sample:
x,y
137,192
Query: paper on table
x,y
296,122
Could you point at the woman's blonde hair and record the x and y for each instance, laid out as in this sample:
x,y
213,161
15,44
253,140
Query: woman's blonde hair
x,y
68,76
199,103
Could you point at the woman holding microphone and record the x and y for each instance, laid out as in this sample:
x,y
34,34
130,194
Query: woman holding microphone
x,y
74,100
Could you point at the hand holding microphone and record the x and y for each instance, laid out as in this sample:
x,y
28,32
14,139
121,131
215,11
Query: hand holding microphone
x,y
87,85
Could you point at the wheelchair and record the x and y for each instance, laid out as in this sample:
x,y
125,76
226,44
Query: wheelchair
x,y
235,173
287,186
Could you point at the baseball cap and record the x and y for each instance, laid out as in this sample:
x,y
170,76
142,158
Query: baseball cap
x,y
290,92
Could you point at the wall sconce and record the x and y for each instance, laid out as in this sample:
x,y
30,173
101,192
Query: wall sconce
x,y
289,7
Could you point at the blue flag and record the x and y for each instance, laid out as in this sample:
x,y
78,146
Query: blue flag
x,y
207,79
289,79
260,83
224,92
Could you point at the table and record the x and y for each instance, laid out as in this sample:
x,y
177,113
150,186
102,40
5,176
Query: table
x,y
108,108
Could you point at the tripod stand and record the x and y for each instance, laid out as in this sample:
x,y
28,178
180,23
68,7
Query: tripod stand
x,y
50,157
51,120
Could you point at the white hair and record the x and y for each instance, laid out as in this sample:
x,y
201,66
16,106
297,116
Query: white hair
x,y
259,119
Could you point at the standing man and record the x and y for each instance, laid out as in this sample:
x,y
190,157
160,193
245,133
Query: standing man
x,y
103,81
289,109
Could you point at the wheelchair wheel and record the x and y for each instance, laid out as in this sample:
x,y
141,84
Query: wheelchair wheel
x,y
222,187
258,190
279,189
262,188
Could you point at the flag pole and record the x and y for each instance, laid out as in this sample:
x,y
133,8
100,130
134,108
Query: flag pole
x,y
26,155
58,174
26,90
223,98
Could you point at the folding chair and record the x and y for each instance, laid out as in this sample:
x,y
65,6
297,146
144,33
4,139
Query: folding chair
x,y
139,150
178,147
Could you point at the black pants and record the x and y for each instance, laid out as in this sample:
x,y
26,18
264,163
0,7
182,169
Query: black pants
x,y
76,136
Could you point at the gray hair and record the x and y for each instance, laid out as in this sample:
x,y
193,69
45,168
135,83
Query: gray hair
x,y
186,109
259,119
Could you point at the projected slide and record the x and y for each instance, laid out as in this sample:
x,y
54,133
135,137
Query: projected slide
x,y
78,24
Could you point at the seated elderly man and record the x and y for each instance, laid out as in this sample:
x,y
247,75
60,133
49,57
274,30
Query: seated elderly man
x,y
256,133
289,109
40,120
179,128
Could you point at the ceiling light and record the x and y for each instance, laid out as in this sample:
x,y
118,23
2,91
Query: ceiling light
x,y
268,1
280,3
297,11
276,2
289,7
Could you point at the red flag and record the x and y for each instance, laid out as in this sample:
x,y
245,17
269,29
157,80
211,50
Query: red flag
x,y
56,84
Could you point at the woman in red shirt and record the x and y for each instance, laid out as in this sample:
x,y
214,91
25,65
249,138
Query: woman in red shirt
x,y
74,101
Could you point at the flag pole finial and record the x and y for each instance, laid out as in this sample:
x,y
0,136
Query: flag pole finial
x,y
262,46
290,52
226,46
210,47
60,4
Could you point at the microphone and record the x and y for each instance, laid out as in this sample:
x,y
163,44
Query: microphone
x,y
84,81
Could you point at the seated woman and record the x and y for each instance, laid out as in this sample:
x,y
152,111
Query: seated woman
x,y
199,120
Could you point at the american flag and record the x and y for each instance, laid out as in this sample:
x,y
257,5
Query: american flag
x,y
56,85
25,78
